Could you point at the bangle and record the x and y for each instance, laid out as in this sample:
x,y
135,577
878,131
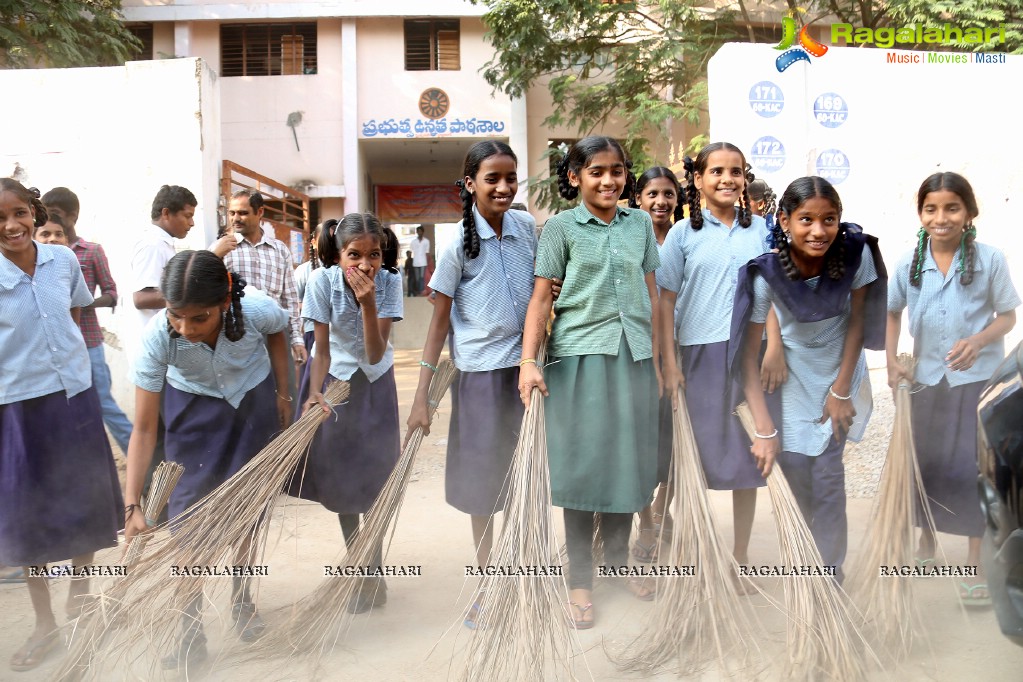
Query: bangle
x,y
130,509
286,398
527,361
769,436
424,363
831,392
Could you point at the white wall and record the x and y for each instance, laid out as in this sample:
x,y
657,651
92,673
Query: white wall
x,y
123,133
903,123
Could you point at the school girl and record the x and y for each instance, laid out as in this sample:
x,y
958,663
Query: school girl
x,y
602,373
700,262
224,398
827,284
353,302
658,193
59,493
303,273
763,201
483,283
961,305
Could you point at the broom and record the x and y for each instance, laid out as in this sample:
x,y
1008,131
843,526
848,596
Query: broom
x,y
151,600
165,478
694,618
319,620
889,601
522,629
822,640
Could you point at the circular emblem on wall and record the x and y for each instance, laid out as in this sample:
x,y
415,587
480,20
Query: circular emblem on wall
x,y
434,103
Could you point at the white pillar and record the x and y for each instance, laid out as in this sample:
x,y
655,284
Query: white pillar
x,y
182,38
518,140
350,167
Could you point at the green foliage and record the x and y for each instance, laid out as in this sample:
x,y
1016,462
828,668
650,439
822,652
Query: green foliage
x,y
639,64
62,33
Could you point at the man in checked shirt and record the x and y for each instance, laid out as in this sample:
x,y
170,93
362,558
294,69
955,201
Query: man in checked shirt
x,y
263,261
63,203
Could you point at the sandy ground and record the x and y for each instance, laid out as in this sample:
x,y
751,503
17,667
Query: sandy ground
x,y
418,634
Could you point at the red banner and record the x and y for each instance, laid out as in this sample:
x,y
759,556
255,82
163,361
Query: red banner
x,y
418,203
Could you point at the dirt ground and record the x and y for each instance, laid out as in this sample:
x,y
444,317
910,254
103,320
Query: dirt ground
x,y
418,634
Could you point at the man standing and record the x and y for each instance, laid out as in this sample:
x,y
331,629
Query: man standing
x,y
420,259
262,260
62,203
172,217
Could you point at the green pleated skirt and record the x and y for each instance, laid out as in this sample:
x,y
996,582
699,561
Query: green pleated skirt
x,y
601,420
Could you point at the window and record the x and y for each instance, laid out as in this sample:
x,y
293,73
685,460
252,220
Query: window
x,y
267,49
432,45
144,33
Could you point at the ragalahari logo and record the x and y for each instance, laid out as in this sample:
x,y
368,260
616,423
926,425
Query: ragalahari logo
x,y
807,46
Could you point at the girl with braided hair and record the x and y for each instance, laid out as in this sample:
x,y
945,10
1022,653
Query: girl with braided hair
x,y
961,305
826,283
602,374
225,397
701,258
763,201
482,283
59,492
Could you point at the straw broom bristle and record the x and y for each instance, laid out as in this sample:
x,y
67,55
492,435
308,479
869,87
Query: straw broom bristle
x,y
889,600
142,612
165,478
522,628
320,619
823,641
697,618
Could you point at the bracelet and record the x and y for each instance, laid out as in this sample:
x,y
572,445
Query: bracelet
x,y
831,392
769,436
424,363
286,398
130,509
527,361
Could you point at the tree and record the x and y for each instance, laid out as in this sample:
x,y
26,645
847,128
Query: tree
x,y
63,33
641,64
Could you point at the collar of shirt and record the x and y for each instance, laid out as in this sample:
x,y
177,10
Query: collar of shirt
x,y
159,233
509,226
262,239
583,216
709,217
81,245
931,264
11,274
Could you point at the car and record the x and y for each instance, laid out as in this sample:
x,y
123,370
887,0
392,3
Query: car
x,y
1000,458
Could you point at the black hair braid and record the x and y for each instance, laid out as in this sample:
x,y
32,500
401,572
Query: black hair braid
x,y
634,199
770,202
967,255
692,195
916,268
680,210
41,215
835,258
470,236
630,184
565,188
782,244
234,321
745,207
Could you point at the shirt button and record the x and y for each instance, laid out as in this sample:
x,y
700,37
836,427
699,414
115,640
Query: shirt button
x,y
618,281
54,349
44,315
614,251
621,314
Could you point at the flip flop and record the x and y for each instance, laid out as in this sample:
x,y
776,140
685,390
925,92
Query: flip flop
x,y
922,562
968,599
578,623
33,655
646,554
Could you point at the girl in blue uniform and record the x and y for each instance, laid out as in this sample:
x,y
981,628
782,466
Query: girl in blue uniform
x,y
700,262
483,283
353,301
827,284
602,374
659,194
59,493
961,305
224,398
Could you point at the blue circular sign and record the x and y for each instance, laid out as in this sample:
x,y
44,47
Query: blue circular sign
x,y
830,110
768,154
766,99
833,166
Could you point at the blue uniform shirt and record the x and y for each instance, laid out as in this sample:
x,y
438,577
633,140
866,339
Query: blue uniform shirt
x,y
943,311
701,267
330,301
43,349
228,371
491,292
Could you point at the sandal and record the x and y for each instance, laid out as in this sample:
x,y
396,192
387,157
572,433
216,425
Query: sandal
x,y
659,524
579,623
34,652
967,597
646,554
639,589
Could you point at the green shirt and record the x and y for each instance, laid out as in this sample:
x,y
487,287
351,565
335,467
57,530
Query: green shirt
x,y
604,292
